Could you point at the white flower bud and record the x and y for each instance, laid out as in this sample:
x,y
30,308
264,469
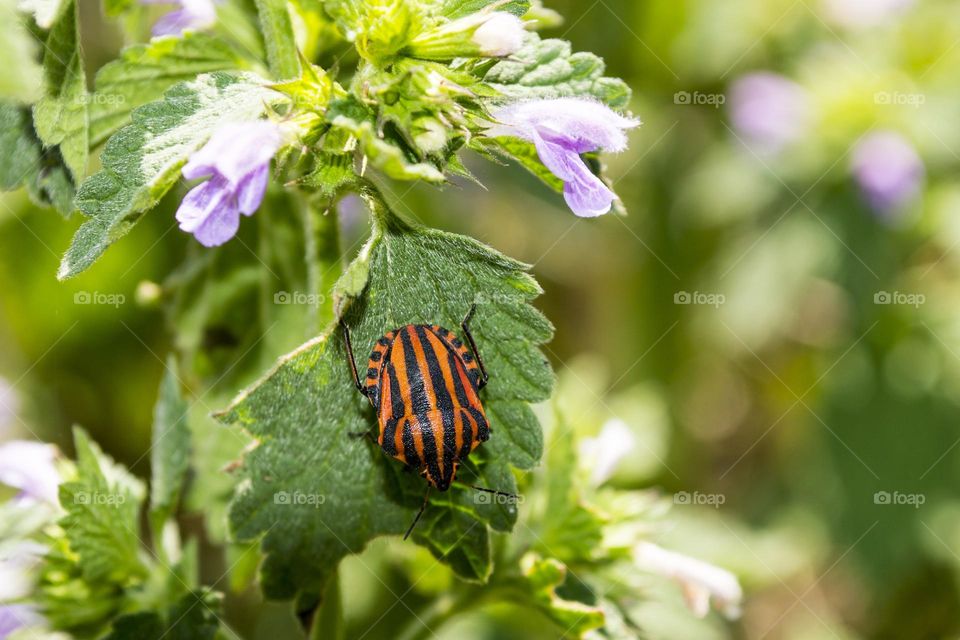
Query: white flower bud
x,y
501,35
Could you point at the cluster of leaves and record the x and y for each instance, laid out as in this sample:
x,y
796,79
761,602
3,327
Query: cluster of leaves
x,y
100,579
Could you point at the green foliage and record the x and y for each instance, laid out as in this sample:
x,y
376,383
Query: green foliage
x,y
170,448
278,35
314,504
543,576
27,164
142,161
194,617
102,506
549,69
143,72
60,117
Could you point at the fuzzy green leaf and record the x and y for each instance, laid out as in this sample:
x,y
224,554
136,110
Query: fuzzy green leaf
x,y
549,69
523,152
144,72
143,160
316,494
61,115
454,9
22,78
25,162
170,450
102,518
278,36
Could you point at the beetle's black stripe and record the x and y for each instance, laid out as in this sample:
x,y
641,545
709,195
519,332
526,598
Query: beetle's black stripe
x,y
483,432
389,437
467,434
396,399
419,402
462,399
409,447
443,400
450,452
429,447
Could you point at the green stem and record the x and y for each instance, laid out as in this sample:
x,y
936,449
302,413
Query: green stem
x,y
443,609
278,37
323,258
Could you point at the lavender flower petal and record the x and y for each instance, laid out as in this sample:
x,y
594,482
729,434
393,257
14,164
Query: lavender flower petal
x,y
769,110
562,129
234,151
17,616
888,170
192,14
209,212
251,190
29,466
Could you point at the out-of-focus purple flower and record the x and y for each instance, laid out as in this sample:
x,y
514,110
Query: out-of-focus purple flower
x,y
29,466
9,405
888,170
17,616
864,13
237,161
562,129
769,110
192,14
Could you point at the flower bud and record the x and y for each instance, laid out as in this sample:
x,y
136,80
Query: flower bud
x,y
490,35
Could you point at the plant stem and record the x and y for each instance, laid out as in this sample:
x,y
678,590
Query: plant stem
x,y
322,231
278,37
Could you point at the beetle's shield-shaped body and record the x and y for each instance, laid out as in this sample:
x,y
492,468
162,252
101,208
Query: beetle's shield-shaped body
x,y
422,381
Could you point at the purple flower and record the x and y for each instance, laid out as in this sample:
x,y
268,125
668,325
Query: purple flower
x,y
237,161
29,466
16,616
888,170
769,110
192,14
562,129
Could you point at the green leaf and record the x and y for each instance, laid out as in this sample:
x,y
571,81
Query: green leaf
x,y
548,69
43,12
101,522
543,576
170,447
144,72
454,9
143,160
22,78
60,116
194,617
278,36
316,494
26,163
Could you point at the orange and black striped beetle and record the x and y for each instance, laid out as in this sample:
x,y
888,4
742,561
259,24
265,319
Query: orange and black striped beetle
x,y
424,383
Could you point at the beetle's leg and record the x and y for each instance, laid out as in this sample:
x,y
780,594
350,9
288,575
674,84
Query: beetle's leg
x,y
363,434
353,364
465,325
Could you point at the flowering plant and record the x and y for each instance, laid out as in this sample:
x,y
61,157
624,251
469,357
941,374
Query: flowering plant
x,y
278,113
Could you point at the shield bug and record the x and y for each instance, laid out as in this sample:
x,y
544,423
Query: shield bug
x,y
424,383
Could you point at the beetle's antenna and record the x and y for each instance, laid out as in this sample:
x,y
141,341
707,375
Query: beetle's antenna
x,y
499,493
426,497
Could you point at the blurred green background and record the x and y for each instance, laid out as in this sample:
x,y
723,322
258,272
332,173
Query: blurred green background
x,y
776,319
